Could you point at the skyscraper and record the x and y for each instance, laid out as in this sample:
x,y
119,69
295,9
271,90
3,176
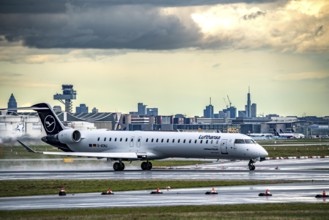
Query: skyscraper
x,y
253,110
141,109
209,111
248,106
12,104
250,109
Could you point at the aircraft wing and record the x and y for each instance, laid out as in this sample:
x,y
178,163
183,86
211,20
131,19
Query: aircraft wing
x,y
105,154
123,155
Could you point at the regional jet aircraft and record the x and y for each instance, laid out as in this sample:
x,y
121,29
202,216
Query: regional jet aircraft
x,y
144,145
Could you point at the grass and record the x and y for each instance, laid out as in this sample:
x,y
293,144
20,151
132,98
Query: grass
x,y
293,141
45,187
247,211
286,151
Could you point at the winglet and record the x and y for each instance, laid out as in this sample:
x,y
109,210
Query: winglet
x,y
26,147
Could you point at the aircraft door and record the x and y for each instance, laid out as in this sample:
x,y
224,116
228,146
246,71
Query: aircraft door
x,y
139,140
223,146
131,143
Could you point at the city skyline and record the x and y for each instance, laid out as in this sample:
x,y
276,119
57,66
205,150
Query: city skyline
x,y
171,55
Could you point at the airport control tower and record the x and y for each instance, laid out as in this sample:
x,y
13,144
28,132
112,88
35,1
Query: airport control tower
x,y
66,98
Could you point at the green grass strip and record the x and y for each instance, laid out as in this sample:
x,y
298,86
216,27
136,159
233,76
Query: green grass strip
x,y
45,187
247,211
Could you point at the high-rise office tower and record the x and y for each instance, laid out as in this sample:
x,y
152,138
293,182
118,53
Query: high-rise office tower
x,y
12,104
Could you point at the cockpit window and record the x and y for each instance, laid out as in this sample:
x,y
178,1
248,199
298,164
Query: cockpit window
x,y
239,141
244,141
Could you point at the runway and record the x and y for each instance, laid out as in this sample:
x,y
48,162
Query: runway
x,y
314,171
282,193
295,169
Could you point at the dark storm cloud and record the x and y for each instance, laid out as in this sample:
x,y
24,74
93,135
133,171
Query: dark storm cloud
x,y
99,24
58,6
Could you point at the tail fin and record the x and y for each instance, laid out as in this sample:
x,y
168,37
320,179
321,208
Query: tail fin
x,y
275,132
49,119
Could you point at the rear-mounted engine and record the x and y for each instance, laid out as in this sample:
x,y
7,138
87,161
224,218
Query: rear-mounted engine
x,y
69,136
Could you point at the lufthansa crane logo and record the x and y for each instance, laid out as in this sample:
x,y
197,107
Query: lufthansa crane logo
x,y
50,123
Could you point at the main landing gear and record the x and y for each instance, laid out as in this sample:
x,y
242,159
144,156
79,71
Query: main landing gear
x,y
120,166
251,165
146,165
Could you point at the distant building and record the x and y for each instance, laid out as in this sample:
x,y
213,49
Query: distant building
x,y
242,114
94,110
230,112
57,109
12,104
248,106
253,110
208,112
81,109
152,111
250,109
141,109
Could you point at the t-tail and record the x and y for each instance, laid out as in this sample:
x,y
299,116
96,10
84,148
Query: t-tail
x,y
49,119
57,134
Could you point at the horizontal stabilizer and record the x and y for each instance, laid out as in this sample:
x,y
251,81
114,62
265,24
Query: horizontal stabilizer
x,y
27,148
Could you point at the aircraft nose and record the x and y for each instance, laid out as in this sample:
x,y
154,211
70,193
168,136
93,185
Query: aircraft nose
x,y
262,152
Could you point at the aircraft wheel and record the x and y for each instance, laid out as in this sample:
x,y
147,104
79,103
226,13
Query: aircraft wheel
x,y
149,165
252,167
117,166
146,165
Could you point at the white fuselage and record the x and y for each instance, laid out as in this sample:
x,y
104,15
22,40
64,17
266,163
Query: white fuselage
x,y
157,145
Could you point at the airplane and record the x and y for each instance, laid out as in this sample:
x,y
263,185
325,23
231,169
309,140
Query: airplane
x,y
122,146
261,136
281,134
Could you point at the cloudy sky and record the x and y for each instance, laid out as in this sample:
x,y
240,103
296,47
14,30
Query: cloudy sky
x,y
171,54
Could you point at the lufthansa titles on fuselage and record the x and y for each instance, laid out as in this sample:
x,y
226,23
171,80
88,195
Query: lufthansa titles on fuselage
x,y
209,137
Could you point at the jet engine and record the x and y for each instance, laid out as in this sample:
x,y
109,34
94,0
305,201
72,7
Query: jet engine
x,y
69,136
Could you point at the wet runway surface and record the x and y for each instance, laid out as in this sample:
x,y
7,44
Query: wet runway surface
x,y
282,193
294,169
314,171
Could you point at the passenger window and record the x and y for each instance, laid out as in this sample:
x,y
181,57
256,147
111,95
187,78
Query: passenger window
x,y
178,140
126,139
195,141
190,141
104,139
173,140
157,140
147,140
110,139
184,141
167,140
120,139
115,139
152,140
162,140
200,141
211,141
139,140
98,139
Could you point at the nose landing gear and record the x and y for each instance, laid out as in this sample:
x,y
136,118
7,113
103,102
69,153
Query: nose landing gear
x,y
251,165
